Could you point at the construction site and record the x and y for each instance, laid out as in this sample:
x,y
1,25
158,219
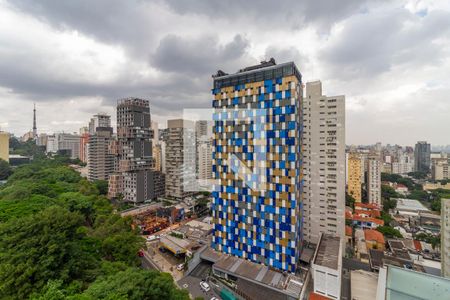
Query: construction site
x,y
154,217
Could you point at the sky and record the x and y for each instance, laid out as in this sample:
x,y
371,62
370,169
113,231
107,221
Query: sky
x,y
391,59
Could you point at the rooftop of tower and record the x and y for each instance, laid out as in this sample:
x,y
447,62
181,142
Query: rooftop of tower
x,y
133,101
266,70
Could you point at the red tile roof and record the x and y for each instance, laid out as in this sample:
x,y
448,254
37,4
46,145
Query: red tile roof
x,y
371,213
373,235
369,219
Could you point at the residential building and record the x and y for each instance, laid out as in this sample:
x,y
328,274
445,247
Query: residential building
x,y
373,182
84,141
257,160
439,168
445,237
64,144
326,266
204,150
374,239
101,120
134,181
354,176
4,146
100,161
422,157
27,136
42,140
323,163
180,158
157,156
404,164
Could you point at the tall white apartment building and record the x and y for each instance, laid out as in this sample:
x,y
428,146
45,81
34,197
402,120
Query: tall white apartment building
x,y
373,182
180,158
445,237
324,163
204,149
64,143
404,164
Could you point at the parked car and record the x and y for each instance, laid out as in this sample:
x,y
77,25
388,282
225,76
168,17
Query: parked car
x,y
205,286
180,267
141,253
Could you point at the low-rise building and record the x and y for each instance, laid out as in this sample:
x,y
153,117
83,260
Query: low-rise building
x,y
363,285
327,266
401,283
374,239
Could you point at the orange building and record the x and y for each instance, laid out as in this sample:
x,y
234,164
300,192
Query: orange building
x,y
374,239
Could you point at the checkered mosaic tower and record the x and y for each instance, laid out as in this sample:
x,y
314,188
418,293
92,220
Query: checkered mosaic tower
x,y
258,216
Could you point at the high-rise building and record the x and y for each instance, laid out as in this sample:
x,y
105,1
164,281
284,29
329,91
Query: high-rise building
x,y
373,182
155,129
323,164
64,144
180,158
100,161
422,160
354,176
440,168
157,156
101,120
134,180
258,126
404,164
4,146
445,237
204,160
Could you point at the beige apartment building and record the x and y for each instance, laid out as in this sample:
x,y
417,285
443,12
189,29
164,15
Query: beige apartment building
x,y
373,182
4,146
180,158
354,176
439,168
323,163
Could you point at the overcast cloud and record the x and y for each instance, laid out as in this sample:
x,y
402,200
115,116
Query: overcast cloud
x,y
76,58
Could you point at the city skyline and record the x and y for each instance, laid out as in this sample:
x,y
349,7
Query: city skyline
x,y
96,59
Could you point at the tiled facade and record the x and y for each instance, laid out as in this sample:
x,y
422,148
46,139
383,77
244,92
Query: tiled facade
x,y
260,218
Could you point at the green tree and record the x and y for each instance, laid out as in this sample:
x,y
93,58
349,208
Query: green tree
x,y
42,247
5,169
135,284
389,232
386,217
102,186
418,175
349,200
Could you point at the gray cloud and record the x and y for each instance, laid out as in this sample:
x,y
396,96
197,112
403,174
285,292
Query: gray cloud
x,y
199,55
128,23
371,44
171,48
268,13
